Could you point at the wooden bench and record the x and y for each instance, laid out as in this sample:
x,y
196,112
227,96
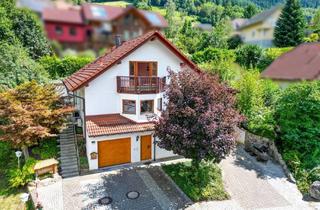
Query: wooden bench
x,y
46,166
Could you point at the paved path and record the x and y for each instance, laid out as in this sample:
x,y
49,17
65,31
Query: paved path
x,y
255,185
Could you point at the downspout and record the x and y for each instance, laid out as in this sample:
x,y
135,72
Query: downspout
x,y
154,148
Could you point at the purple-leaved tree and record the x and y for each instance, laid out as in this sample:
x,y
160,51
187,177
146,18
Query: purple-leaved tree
x,y
200,117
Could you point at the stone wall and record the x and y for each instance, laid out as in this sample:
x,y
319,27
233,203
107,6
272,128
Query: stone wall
x,y
251,139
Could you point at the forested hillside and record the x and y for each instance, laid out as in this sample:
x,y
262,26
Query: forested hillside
x,y
261,3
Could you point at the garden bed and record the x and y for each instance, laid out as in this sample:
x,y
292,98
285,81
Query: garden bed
x,y
200,184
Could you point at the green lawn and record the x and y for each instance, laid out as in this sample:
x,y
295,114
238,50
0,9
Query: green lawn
x,y
199,185
117,3
9,199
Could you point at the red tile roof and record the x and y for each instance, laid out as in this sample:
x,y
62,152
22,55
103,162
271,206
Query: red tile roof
x,y
63,15
301,63
110,124
103,63
110,12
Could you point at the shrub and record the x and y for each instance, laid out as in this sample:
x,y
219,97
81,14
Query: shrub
x,y
248,56
59,68
269,55
234,42
298,117
202,183
20,177
213,54
46,149
255,100
7,157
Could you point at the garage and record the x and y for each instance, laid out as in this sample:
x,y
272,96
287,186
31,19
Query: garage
x,y
114,152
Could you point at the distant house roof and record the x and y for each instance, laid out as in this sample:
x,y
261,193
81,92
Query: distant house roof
x,y
260,17
35,5
237,23
301,63
103,63
110,124
63,15
96,12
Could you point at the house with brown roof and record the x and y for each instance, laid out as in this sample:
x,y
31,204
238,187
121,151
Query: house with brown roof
x,y
259,29
122,92
300,64
93,26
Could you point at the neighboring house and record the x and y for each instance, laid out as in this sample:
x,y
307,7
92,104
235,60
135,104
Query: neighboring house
x,y
260,28
35,5
93,26
299,64
123,91
204,26
236,24
66,26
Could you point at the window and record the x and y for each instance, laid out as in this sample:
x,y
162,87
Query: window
x,y
128,107
253,33
58,30
72,31
146,107
159,104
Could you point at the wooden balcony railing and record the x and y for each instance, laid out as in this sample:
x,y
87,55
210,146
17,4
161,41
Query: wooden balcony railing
x,y
140,85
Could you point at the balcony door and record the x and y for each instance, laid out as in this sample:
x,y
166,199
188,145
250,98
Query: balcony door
x,y
143,69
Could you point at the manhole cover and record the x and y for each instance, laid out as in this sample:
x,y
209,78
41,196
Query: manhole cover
x,y
105,201
133,195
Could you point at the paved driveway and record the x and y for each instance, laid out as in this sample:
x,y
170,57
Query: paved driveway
x,y
255,185
154,189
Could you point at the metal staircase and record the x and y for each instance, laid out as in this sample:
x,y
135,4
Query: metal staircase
x,y
69,155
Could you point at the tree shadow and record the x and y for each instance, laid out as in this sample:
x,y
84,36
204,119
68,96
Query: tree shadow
x,y
263,170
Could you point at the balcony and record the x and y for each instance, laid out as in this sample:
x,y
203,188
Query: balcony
x,y
140,85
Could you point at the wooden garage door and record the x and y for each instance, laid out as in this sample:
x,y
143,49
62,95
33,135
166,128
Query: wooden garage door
x,y
114,152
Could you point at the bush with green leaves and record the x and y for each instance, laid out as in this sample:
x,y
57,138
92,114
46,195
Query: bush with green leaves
x,y
214,54
255,100
271,54
20,177
62,67
7,157
46,149
202,183
248,56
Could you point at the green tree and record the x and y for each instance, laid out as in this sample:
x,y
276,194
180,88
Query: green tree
x,y
255,100
250,11
220,34
29,31
289,31
6,32
17,67
30,113
248,56
170,12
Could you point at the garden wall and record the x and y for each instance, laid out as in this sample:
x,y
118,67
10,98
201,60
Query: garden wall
x,y
251,139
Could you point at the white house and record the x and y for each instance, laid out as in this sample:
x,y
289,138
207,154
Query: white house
x,y
120,90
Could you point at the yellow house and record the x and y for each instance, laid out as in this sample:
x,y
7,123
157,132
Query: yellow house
x,y
260,28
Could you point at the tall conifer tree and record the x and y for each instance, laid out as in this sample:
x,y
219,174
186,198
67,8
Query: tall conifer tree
x,y
290,27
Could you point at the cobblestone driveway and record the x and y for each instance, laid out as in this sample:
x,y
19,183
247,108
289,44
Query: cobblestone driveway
x,y
156,191
255,185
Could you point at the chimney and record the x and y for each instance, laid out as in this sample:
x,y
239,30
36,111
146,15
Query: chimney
x,y
117,40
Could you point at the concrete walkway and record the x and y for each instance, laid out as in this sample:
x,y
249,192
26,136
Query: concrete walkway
x,y
255,185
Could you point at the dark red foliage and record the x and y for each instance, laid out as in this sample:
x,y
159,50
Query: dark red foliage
x,y
200,117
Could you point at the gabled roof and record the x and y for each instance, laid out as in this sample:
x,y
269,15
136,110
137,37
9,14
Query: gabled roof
x,y
301,63
260,17
105,62
110,124
63,15
98,12
238,22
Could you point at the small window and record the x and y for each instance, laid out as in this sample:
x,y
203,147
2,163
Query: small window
x,y
58,30
128,107
146,107
253,33
72,31
159,104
